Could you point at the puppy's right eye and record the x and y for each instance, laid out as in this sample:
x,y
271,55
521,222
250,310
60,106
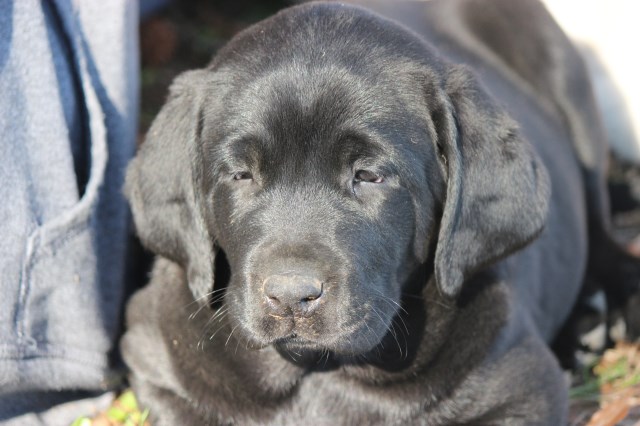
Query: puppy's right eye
x,y
242,176
367,177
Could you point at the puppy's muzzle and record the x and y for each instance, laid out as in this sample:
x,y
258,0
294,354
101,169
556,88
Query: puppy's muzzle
x,y
292,294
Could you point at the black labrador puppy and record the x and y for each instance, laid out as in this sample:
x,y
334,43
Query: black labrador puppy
x,y
369,218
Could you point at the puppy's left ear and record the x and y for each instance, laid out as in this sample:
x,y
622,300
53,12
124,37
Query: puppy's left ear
x,y
497,188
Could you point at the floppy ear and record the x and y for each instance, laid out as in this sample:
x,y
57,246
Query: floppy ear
x,y
497,188
162,186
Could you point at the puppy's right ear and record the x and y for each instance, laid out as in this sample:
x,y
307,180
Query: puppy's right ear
x,y
497,187
162,185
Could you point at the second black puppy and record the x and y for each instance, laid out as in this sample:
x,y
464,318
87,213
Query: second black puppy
x,y
372,233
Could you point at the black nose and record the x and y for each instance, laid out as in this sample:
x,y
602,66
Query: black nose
x,y
292,292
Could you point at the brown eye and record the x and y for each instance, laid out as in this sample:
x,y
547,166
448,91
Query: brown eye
x,y
367,176
242,176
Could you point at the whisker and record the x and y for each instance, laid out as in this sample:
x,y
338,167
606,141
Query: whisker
x,y
411,296
217,316
238,344
406,344
216,299
404,324
219,328
399,314
216,332
323,352
391,329
390,301
229,338
439,303
204,296
371,332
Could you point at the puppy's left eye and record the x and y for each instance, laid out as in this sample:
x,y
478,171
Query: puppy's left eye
x,y
242,176
367,176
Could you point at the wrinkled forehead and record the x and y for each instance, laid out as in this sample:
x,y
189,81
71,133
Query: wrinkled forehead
x,y
298,107
327,96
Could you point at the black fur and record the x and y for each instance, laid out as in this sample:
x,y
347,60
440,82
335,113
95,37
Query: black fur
x,y
357,223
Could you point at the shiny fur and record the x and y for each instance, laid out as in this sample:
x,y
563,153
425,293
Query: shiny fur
x,y
365,222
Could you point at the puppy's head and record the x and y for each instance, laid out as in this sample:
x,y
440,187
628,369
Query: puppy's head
x,y
328,153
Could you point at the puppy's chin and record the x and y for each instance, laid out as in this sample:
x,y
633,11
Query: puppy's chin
x,y
300,346
349,346
294,347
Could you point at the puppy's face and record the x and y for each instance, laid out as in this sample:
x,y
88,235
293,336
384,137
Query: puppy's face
x,y
312,191
322,151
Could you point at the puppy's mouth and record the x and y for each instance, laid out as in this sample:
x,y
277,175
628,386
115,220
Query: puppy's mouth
x,y
294,341
356,338
295,337
301,350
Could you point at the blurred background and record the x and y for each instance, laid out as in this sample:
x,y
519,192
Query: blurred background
x,y
179,35
608,32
